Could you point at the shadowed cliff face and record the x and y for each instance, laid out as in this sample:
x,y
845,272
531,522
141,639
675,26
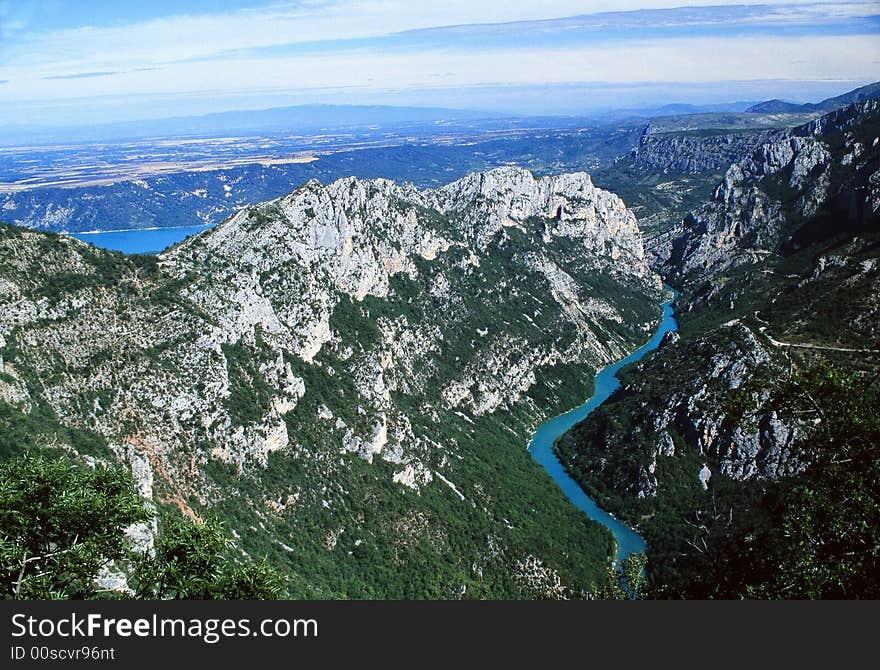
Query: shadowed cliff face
x,y
347,374
780,276
788,238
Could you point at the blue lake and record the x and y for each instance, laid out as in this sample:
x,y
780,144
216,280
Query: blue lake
x,y
541,446
140,241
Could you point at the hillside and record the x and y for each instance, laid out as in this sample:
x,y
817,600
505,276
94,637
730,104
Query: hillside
x,y
347,375
868,92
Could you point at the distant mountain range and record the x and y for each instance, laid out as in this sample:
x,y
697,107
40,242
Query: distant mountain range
x,y
421,151
868,92
311,119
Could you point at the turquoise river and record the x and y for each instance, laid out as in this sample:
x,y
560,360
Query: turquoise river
x,y
541,446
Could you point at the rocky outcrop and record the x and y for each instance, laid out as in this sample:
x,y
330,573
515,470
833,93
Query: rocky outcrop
x,y
698,397
278,271
703,404
693,153
826,167
568,205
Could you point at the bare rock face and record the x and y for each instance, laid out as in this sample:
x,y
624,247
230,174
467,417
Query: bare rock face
x,y
660,152
278,271
693,415
570,205
794,191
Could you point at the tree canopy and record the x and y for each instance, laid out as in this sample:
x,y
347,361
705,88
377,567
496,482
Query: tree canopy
x,y
61,523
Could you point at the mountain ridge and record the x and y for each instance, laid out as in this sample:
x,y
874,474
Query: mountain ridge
x,y
867,92
356,342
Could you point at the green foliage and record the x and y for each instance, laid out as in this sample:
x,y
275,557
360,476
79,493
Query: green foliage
x,y
261,215
98,268
386,541
57,285
191,560
21,431
627,581
10,232
812,535
395,543
825,540
147,264
252,581
167,293
59,523
249,392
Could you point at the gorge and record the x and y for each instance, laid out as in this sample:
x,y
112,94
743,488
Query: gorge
x,y
346,376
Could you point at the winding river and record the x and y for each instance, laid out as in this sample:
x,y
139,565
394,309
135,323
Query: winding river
x,y
541,446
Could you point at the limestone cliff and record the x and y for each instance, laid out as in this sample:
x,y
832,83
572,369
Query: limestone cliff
x,y
779,277
825,171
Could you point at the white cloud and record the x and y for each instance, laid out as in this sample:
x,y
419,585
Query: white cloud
x,y
681,60
190,54
199,36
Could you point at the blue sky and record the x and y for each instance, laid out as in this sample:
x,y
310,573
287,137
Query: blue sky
x,y
75,61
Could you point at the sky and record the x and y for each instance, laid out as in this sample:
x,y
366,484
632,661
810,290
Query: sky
x,y
69,62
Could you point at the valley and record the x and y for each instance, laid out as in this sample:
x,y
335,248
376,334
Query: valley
x,y
735,453
331,388
200,180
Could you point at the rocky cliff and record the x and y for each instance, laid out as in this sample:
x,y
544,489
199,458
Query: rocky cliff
x,y
347,374
825,172
676,152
